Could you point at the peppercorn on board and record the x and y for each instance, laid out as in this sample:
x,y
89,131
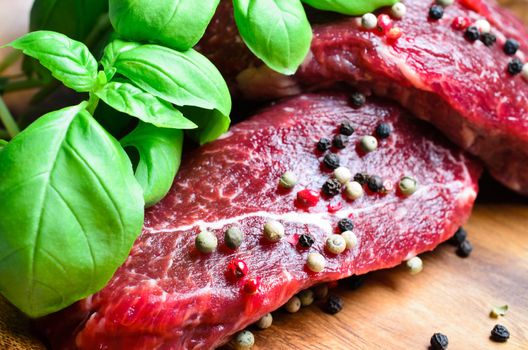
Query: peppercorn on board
x,y
393,309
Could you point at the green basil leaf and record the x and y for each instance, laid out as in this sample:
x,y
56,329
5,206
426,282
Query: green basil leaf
x,y
211,123
71,210
349,7
182,78
112,51
3,143
159,159
276,31
68,60
131,100
178,24
78,19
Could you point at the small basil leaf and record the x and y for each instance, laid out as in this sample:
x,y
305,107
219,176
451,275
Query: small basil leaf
x,y
211,123
131,100
183,78
68,60
349,7
77,19
159,159
176,24
113,50
276,31
71,210
3,143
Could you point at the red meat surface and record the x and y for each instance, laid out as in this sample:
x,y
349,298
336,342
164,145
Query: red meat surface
x,y
462,88
169,296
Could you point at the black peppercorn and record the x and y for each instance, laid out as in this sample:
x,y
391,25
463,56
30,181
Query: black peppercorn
x,y
459,237
332,187
464,249
306,241
375,183
345,225
510,47
383,130
346,129
472,33
515,66
488,39
323,144
357,99
331,160
333,304
361,178
355,281
436,12
499,334
439,341
340,141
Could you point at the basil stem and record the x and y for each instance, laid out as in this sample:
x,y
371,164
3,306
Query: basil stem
x,y
7,119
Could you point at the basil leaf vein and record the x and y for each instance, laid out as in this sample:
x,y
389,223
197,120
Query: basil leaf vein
x,y
182,78
130,99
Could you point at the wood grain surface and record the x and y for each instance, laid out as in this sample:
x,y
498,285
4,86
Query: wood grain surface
x,y
392,310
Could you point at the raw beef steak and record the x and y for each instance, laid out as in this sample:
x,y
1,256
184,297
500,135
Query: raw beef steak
x,y
170,296
463,88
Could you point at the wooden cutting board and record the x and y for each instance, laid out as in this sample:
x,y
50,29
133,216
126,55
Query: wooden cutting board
x,y
392,310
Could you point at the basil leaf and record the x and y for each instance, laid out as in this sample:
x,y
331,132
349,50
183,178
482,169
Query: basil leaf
x,y
177,24
131,100
159,159
211,123
3,143
68,60
276,31
113,50
183,78
71,210
349,7
81,20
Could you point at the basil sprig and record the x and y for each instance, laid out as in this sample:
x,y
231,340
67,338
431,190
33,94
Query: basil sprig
x,y
72,203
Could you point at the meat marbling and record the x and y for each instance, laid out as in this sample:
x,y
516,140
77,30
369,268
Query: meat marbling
x,y
462,88
169,296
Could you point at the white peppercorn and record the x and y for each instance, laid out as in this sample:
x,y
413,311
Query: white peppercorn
x,y
273,231
315,262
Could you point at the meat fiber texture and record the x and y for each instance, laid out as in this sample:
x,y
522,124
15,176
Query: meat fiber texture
x,y
462,88
169,296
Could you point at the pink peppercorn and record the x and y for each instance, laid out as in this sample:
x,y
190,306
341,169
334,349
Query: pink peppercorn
x,y
384,24
461,23
251,286
237,268
308,198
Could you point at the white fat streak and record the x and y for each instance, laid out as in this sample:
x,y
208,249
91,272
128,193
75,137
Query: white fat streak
x,y
321,220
